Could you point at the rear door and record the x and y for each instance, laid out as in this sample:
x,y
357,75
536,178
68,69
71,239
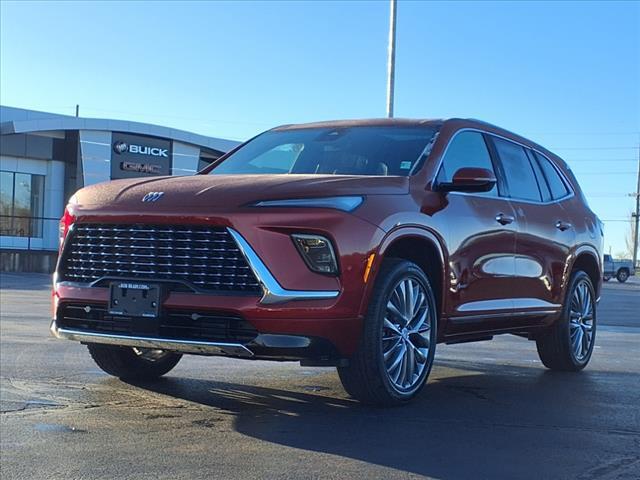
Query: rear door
x,y
545,230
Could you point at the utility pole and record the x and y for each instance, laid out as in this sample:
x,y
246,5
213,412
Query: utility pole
x,y
391,60
77,110
636,215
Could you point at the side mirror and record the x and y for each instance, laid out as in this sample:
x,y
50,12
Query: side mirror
x,y
469,179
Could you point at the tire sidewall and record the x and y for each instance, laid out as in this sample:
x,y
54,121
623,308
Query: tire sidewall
x,y
377,312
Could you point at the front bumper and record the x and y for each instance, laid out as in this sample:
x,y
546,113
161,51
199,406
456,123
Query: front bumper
x,y
264,346
294,302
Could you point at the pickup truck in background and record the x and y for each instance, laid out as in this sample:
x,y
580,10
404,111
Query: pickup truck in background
x,y
621,269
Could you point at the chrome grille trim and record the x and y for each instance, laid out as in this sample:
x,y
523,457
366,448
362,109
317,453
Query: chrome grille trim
x,y
203,257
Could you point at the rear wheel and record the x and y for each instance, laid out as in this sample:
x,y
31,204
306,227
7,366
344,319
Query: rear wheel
x,y
133,363
623,275
568,344
398,341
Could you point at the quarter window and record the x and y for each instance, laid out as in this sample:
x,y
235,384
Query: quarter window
x,y
556,185
518,171
467,149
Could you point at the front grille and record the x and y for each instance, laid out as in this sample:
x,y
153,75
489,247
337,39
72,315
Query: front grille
x,y
172,324
201,257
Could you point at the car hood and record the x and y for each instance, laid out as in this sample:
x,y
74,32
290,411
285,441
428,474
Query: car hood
x,y
225,191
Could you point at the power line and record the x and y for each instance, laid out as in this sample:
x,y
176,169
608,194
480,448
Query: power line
x,y
601,160
606,195
604,173
594,148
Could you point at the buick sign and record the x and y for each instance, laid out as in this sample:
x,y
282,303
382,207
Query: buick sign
x,y
122,147
139,155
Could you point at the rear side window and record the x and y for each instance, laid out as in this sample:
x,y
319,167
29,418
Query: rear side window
x,y
556,184
518,171
542,183
467,149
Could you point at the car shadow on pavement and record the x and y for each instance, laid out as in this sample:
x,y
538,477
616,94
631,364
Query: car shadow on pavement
x,y
494,418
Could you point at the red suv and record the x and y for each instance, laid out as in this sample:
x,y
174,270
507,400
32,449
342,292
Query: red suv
x,y
357,244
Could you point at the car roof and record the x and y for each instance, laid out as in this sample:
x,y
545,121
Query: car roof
x,y
369,122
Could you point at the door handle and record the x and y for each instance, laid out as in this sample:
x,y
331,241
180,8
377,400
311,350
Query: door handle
x,y
503,219
562,226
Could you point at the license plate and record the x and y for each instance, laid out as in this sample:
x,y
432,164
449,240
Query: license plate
x,y
134,299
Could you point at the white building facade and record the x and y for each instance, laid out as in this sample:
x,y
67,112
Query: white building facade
x,y
45,158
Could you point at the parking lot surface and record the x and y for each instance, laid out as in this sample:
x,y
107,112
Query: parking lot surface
x,y
490,410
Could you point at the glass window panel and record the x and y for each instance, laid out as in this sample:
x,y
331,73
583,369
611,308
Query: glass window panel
x,y
557,186
21,204
542,183
518,171
6,202
365,150
37,205
467,149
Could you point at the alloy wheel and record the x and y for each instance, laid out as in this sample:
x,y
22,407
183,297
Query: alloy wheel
x,y
581,327
406,335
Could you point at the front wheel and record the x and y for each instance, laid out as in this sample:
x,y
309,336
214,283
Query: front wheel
x,y
568,344
133,363
398,341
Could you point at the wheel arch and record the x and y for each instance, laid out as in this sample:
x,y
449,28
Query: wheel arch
x,y
417,245
587,261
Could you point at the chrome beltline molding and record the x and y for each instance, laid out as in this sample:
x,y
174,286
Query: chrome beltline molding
x,y
273,291
184,346
507,304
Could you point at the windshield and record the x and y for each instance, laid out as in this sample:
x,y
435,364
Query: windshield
x,y
366,150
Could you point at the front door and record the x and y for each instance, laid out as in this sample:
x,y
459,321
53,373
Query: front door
x,y
481,235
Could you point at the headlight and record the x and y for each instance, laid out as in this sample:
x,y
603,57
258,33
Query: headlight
x,y
317,253
346,204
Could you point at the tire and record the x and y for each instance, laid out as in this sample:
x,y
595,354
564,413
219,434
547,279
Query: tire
x,y
409,347
568,344
131,363
622,275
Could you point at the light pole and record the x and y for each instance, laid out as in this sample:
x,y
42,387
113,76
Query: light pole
x,y
637,216
391,59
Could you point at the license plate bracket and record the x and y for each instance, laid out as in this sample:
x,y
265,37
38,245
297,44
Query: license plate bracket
x,y
134,299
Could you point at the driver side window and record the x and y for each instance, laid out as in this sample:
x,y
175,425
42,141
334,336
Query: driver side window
x,y
467,149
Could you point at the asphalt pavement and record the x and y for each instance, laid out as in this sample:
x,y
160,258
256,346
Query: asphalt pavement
x,y
490,411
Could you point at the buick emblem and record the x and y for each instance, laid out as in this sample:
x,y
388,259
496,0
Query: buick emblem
x,y
120,147
152,196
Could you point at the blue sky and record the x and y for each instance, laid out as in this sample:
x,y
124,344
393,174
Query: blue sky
x,y
564,74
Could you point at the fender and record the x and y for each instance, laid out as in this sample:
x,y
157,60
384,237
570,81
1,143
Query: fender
x,y
397,233
588,249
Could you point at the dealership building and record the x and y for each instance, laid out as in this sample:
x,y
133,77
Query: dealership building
x,y
45,158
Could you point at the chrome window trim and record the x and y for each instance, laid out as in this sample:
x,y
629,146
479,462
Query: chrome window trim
x,y
273,291
470,129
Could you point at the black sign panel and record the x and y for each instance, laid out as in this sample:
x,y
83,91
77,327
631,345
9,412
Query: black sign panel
x,y
139,156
